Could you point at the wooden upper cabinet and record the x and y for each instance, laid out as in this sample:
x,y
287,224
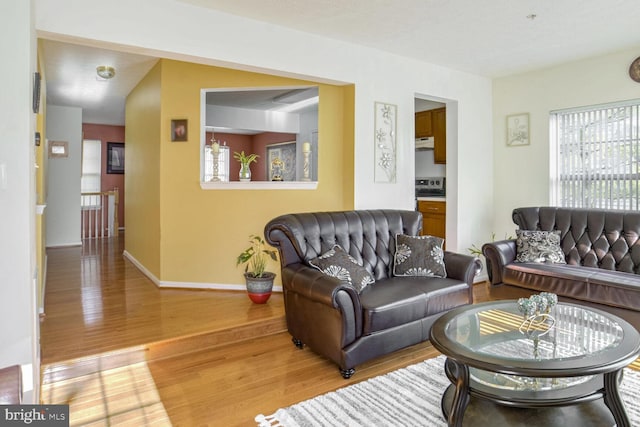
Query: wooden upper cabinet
x,y
424,126
439,124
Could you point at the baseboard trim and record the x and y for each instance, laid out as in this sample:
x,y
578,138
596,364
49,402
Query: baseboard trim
x,y
188,285
44,284
64,245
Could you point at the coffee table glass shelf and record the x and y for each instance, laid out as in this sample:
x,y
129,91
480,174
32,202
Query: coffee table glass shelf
x,y
564,368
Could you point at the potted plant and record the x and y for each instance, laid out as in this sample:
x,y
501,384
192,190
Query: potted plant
x,y
245,160
259,282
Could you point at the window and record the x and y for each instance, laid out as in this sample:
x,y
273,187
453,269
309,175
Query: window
x,y
597,152
90,179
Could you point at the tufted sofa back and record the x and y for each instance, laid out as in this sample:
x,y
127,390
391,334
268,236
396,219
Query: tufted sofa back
x,y
599,238
368,235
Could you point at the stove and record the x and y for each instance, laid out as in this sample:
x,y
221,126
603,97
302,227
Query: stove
x,y
430,187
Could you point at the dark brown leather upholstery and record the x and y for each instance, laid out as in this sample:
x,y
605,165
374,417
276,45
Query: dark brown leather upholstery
x,y
602,251
590,237
394,312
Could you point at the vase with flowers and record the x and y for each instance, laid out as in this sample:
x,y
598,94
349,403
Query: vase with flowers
x,y
245,160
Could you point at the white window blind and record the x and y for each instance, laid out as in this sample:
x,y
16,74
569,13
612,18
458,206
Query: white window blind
x,y
597,154
91,169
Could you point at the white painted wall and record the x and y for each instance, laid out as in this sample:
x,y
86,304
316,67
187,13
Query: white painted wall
x,y
18,313
522,173
63,177
150,26
258,120
425,166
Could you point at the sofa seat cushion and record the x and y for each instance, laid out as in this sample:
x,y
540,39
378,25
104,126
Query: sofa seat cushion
x,y
612,288
400,300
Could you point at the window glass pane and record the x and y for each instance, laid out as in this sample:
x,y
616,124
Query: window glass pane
x,y
597,156
91,170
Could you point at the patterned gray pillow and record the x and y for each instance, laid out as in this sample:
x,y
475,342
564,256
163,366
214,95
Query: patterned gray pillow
x,y
539,246
419,256
338,263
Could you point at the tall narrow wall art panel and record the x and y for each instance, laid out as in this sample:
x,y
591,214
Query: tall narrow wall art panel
x,y
385,142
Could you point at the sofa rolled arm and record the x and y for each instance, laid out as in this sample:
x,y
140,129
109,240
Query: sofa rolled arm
x,y
462,267
330,291
498,255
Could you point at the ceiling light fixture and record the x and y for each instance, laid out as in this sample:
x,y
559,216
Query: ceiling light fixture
x,y
106,71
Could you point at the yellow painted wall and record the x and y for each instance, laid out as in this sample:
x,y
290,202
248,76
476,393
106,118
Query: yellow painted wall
x,y
41,188
203,231
142,177
348,132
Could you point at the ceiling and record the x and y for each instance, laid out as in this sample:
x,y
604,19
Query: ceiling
x,y
491,38
70,72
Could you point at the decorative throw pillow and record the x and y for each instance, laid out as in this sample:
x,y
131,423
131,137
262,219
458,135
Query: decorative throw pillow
x,y
338,263
539,246
419,256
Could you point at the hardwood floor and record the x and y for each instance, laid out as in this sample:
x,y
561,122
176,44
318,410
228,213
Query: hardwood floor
x,y
97,301
121,351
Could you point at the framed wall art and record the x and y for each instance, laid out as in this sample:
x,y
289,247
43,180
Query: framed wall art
x,y
115,157
36,92
58,149
281,160
385,142
518,130
179,128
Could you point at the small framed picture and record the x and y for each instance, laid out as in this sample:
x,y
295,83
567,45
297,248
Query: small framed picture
x,y
58,149
36,92
115,157
518,130
179,128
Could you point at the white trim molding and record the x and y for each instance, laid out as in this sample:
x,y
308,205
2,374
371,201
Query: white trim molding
x,y
260,185
187,285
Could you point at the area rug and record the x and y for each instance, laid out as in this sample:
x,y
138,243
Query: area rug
x,y
406,397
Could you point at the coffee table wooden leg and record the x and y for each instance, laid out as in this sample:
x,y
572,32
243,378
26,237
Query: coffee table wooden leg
x,y
612,398
461,396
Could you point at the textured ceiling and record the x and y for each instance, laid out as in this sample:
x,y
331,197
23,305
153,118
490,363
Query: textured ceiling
x,y
490,37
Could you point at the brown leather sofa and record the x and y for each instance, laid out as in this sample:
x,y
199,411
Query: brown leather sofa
x,y
602,251
348,327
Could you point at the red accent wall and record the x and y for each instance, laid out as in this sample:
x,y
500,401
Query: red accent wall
x,y
108,133
251,144
260,142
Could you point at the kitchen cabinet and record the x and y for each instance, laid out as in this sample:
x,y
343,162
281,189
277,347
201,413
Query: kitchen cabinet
x,y
439,124
424,127
434,216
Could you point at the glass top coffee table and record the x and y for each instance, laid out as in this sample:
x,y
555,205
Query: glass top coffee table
x,y
496,362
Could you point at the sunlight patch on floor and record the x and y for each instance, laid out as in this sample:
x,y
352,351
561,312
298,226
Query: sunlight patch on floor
x,y
125,396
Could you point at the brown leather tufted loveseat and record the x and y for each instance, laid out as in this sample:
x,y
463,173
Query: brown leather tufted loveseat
x,y
330,317
602,251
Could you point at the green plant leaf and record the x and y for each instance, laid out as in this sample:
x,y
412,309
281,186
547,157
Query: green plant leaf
x,y
244,158
255,256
